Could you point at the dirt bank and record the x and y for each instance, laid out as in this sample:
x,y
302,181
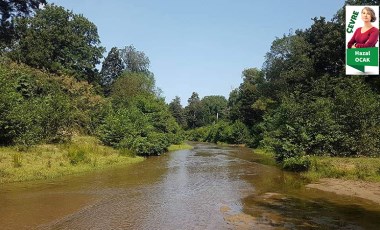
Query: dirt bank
x,y
361,189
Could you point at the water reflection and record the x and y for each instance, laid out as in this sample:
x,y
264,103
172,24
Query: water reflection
x,y
209,187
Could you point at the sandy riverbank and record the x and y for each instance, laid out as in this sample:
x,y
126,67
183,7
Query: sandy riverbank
x,y
361,189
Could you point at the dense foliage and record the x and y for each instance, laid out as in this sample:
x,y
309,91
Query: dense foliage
x,y
11,9
60,41
41,107
225,132
301,102
56,92
138,120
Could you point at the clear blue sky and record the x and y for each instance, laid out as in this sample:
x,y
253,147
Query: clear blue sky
x,y
199,45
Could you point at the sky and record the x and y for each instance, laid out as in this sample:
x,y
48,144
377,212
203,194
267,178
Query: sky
x,y
199,45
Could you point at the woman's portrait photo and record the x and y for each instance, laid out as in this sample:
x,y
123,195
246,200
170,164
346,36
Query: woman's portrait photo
x,y
366,35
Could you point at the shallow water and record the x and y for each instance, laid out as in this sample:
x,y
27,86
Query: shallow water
x,y
209,187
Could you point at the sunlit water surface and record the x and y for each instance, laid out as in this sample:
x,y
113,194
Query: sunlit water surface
x,y
209,187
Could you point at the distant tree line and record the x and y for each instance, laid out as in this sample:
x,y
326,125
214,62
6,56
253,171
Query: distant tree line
x,y
299,103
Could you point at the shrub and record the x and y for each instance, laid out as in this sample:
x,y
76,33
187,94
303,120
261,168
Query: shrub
x,y
33,107
153,144
236,133
297,164
198,134
122,123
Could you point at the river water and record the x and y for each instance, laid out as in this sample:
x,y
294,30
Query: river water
x,y
208,187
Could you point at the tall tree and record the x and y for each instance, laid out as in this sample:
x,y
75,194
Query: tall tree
x,y
215,108
248,95
194,112
134,60
60,41
326,37
112,68
9,9
233,105
177,111
129,86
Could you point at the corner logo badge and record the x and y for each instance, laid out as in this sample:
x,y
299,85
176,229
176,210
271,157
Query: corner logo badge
x,y
362,40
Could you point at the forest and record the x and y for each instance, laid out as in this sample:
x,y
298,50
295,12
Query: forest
x,y
299,104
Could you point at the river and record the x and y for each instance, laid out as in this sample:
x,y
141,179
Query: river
x,y
208,187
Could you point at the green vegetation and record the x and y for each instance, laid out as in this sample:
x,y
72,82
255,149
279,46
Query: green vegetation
x,y
47,161
264,157
179,147
9,11
358,168
299,105
225,132
51,93
349,168
58,40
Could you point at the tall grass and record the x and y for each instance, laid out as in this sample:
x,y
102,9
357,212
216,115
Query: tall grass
x,y
352,168
17,160
83,154
360,168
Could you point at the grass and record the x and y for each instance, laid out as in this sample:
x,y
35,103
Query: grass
x,y
264,157
179,147
354,168
47,161
360,168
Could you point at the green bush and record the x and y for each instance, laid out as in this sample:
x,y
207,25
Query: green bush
x,y
33,107
231,133
297,164
236,133
122,123
216,132
197,134
142,126
153,144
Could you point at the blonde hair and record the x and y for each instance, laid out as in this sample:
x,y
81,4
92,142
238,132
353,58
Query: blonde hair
x,y
371,12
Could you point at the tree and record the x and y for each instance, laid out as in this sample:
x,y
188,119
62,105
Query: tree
x,y
60,41
248,95
177,111
9,9
215,108
112,68
131,85
288,66
194,112
134,60
233,105
325,38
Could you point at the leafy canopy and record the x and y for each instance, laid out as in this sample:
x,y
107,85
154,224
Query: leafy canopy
x,y
60,41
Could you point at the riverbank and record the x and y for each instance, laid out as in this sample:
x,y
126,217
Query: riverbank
x,y
356,177
346,168
362,189
82,154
